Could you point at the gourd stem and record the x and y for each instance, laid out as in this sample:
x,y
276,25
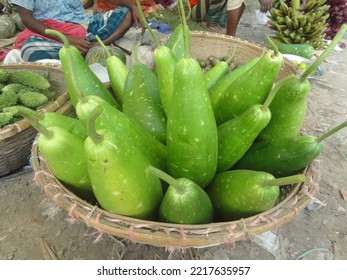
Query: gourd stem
x,y
186,35
285,180
33,118
81,97
96,138
296,7
272,45
136,51
332,131
24,111
271,96
275,89
59,35
232,54
324,55
108,54
166,177
142,16
189,10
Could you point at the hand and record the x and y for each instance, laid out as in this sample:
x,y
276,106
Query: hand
x,y
265,5
137,19
81,44
93,44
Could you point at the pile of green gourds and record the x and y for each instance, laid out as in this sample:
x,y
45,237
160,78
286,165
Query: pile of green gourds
x,y
176,144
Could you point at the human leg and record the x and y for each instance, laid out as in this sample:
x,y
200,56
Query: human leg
x,y
234,13
200,9
217,12
211,11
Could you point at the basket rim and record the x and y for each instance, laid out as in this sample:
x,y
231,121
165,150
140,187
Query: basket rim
x,y
169,234
232,39
12,129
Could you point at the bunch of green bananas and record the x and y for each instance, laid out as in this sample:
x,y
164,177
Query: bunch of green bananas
x,y
306,25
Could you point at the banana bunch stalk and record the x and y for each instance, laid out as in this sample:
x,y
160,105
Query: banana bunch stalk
x,y
300,25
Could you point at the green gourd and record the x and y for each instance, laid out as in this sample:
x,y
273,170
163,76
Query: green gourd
x,y
141,99
192,144
64,153
218,71
87,82
117,171
250,88
117,72
165,62
49,119
288,108
236,136
286,155
219,88
239,194
303,50
176,41
116,121
184,201
30,79
65,156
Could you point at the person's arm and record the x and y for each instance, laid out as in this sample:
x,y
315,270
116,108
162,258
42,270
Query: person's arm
x,y
265,5
38,27
133,9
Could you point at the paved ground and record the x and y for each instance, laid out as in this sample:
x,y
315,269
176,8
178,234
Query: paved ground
x,y
320,232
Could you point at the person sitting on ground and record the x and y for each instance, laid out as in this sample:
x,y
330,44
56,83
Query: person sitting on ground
x,y
222,16
70,18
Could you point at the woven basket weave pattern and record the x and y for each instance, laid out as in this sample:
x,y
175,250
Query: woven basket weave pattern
x,y
16,139
292,201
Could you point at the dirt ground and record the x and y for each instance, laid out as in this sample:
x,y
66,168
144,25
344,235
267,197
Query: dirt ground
x,y
319,232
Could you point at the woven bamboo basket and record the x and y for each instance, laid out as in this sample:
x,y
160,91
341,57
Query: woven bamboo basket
x,y
16,139
292,200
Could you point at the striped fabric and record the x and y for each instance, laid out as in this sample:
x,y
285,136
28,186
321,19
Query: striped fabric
x,y
37,48
212,11
104,24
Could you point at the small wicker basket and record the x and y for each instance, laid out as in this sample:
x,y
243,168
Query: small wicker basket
x,y
16,139
292,199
